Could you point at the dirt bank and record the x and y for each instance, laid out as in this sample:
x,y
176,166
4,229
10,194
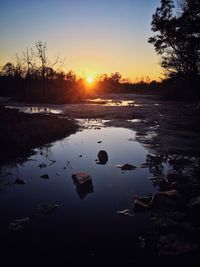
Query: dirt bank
x,y
22,132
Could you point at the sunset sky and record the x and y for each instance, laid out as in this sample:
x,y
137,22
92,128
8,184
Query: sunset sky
x,y
93,36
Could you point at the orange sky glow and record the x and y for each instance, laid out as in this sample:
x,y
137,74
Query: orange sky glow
x,y
93,37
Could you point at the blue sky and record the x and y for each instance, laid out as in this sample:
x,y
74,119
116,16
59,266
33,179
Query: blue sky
x,y
93,36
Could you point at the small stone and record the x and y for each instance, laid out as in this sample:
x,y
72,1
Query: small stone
x,y
164,239
102,157
162,201
99,142
44,176
17,224
125,212
81,177
20,181
194,203
139,205
187,227
126,167
172,237
142,241
173,194
144,165
155,178
47,208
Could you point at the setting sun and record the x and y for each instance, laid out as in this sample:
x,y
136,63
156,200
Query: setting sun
x,y
90,79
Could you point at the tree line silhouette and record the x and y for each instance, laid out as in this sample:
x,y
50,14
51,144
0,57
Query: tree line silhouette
x,y
176,39
32,77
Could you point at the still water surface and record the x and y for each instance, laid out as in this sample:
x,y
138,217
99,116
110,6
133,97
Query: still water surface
x,y
87,219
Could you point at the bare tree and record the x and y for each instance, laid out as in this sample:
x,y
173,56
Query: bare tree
x,y
42,55
28,57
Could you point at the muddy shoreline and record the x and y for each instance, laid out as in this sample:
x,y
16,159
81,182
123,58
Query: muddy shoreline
x,y
166,126
21,133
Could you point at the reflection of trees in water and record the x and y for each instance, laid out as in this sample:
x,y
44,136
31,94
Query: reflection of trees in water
x,y
7,177
172,168
47,156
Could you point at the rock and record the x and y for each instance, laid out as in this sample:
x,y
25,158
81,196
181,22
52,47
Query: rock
x,y
163,239
19,181
125,212
126,167
172,237
163,223
161,201
173,194
194,203
102,157
80,156
172,245
155,178
144,165
99,142
47,208
187,227
17,224
154,159
81,177
44,176
139,205
142,242
172,176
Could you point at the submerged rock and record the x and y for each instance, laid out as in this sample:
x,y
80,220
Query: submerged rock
x,y
173,194
19,181
142,242
172,245
126,167
125,212
47,208
102,157
44,176
144,165
194,203
17,224
139,205
155,178
160,200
